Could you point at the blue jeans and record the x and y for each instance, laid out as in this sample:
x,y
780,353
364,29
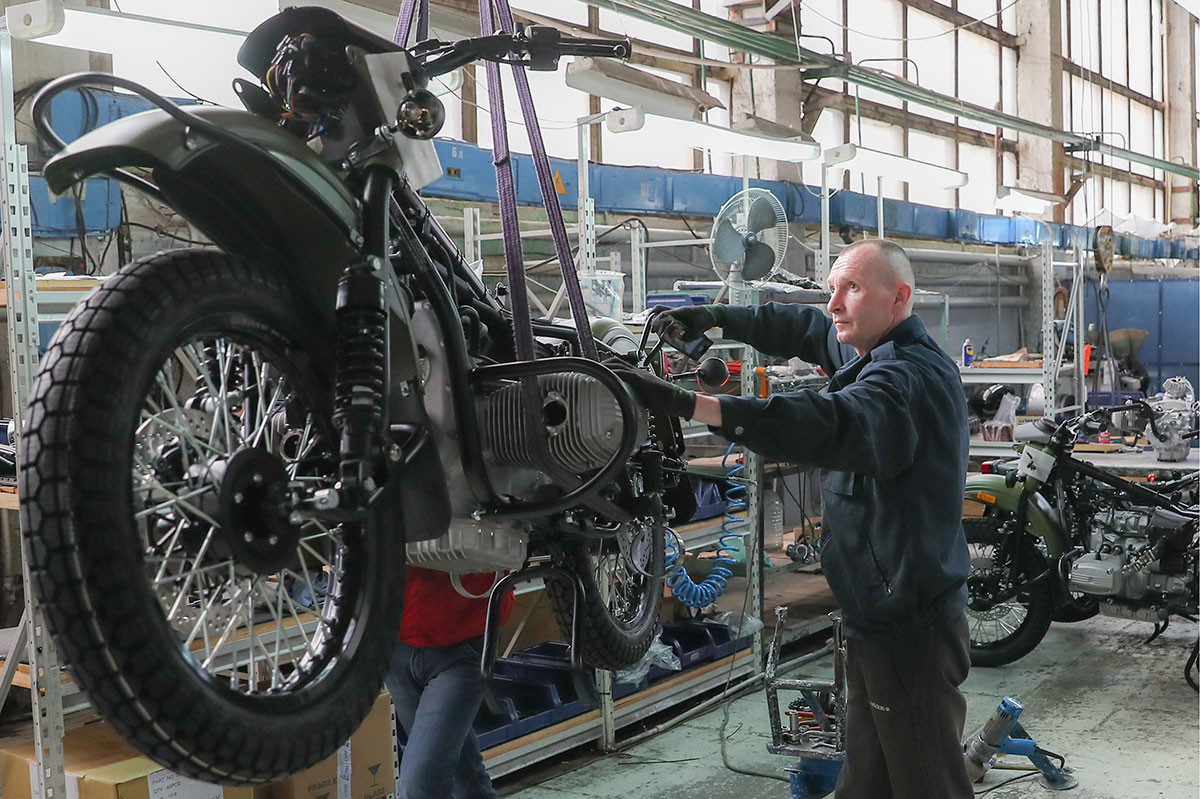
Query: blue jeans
x,y
437,692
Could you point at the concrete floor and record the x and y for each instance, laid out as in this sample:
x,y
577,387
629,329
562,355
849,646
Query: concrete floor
x,y
1116,708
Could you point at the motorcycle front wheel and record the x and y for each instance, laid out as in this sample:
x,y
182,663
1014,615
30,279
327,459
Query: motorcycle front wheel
x,y
177,416
622,581
1002,632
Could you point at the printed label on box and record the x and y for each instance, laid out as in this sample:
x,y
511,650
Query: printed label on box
x,y
344,771
167,784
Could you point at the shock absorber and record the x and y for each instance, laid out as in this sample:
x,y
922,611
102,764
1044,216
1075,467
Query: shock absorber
x,y
361,374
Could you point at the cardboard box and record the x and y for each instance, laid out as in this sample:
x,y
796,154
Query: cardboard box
x,y
362,768
101,765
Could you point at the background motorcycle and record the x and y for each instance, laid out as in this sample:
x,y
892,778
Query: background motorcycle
x,y
1060,537
227,450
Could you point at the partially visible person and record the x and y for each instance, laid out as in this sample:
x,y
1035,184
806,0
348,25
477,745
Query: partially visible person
x,y
436,686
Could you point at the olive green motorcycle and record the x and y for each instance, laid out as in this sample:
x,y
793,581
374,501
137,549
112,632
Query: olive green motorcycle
x,y
1059,539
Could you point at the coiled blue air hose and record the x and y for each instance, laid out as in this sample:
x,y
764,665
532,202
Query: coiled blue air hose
x,y
704,593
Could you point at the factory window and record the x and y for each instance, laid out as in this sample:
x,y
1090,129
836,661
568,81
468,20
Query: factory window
x,y
979,75
557,104
871,42
935,150
980,192
1113,51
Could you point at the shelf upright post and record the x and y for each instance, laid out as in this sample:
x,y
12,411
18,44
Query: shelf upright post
x,y
1049,339
472,246
16,241
637,266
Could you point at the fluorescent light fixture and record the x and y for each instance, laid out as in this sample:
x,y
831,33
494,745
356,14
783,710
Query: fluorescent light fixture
x,y
1025,201
102,31
624,84
895,167
704,136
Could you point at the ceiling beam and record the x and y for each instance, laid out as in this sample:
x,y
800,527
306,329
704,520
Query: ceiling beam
x,y
964,21
828,98
1119,88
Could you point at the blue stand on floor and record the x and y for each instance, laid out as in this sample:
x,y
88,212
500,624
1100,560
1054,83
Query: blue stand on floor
x,y
1018,742
812,778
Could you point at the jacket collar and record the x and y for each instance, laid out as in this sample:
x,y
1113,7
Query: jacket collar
x,y
908,331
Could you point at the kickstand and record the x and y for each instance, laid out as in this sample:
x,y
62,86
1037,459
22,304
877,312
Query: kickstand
x,y
1191,664
1159,629
584,687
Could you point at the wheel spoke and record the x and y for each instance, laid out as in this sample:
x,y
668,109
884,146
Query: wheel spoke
x,y
214,398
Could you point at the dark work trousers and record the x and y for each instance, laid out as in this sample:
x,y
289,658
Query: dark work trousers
x,y
905,715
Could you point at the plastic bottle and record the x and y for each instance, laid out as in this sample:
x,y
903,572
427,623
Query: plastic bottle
x,y
772,510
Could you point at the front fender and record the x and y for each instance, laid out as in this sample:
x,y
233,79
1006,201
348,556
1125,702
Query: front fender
x,y
277,203
1040,518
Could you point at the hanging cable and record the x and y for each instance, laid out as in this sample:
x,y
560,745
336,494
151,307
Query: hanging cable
x,y
704,593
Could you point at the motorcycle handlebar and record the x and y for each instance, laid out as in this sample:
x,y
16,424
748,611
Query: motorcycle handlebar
x,y
539,45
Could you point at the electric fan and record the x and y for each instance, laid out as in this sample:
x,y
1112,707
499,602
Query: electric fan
x,y
749,237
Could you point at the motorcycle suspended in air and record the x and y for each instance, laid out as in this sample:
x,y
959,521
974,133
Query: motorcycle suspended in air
x,y
229,451
1059,538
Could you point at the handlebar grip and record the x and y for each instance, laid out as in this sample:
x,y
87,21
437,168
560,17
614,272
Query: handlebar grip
x,y
597,48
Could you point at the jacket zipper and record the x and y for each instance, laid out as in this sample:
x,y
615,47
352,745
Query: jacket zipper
x,y
874,560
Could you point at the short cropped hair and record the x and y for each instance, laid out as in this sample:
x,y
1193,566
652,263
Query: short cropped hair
x,y
894,258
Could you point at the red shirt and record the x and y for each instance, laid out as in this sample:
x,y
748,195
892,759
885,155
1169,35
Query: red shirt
x,y
437,615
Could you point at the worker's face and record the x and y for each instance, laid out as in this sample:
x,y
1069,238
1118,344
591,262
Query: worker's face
x,y
863,304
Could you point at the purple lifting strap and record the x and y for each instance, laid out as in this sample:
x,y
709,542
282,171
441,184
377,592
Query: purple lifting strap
x,y
506,191
405,18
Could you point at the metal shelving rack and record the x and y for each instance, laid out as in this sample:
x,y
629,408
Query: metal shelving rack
x,y
16,242
1053,348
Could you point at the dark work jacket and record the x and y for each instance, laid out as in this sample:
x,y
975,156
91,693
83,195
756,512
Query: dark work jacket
x,y
890,436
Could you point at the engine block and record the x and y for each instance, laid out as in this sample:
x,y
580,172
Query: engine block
x,y
581,418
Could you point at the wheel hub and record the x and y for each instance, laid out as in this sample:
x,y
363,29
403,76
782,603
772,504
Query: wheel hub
x,y
255,505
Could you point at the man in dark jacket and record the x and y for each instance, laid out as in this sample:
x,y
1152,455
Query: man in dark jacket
x,y
890,436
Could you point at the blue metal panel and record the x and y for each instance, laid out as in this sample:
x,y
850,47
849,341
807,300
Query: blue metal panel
x,y
995,229
631,189
54,217
1164,308
931,222
1180,336
964,225
701,195
899,218
853,209
803,203
470,175
467,172
530,193
1027,231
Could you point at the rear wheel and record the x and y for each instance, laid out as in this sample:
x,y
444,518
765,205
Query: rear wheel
x,y
622,580
176,417
1005,631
